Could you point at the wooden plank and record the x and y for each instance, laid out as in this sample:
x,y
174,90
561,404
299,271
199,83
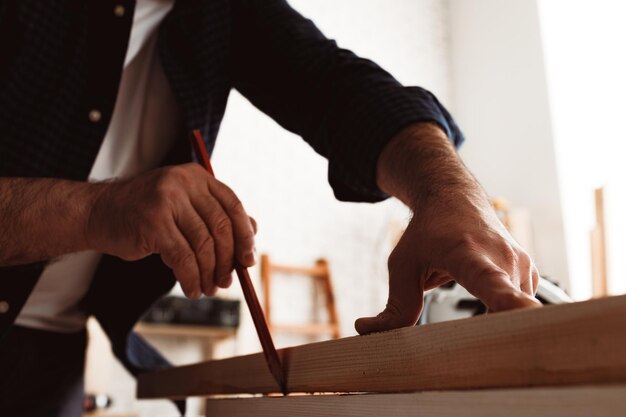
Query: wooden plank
x,y
185,330
311,329
578,343
538,402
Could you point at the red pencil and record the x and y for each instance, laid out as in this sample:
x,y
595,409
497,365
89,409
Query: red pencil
x,y
269,350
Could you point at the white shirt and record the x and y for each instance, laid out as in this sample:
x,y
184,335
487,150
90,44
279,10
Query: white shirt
x,y
143,126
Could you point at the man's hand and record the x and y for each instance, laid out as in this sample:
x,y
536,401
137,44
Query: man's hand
x,y
195,222
453,235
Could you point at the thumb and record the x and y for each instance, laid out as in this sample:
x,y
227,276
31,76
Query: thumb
x,y
405,302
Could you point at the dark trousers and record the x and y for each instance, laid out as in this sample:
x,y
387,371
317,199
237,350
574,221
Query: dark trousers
x,y
41,373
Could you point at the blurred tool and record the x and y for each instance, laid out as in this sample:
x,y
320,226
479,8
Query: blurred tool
x,y
452,302
96,402
207,311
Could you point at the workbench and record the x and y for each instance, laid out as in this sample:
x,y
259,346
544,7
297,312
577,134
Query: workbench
x,y
563,360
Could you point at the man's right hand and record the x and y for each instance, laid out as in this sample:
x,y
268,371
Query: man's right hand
x,y
196,223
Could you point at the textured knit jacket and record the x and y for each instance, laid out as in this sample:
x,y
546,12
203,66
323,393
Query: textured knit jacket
x,y
61,59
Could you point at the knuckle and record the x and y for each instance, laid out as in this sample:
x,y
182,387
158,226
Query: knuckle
x,y
166,187
235,207
182,257
198,229
246,239
534,270
193,168
178,172
173,177
490,271
509,254
523,256
206,245
524,259
223,227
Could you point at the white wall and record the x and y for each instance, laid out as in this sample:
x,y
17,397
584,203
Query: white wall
x,y
584,43
283,183
501,103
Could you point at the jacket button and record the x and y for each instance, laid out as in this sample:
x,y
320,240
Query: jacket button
x,y
4,307
95,116
119,10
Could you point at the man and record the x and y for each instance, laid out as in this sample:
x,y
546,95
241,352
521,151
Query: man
x,y
94,90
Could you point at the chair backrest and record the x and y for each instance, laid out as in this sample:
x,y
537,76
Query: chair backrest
x,y
320,272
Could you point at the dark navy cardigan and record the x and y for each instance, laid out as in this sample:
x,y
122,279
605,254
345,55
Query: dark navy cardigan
x,y
60,59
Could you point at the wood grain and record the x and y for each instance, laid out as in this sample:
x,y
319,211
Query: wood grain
x,y
579,343
538,402
311,329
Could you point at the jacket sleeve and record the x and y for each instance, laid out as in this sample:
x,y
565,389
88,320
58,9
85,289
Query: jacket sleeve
x,y
346,107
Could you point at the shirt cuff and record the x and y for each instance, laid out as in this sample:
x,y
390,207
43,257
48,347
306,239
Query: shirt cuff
x,y
366,131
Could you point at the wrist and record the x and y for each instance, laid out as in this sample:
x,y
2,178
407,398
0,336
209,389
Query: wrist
x,y
91,197
420,165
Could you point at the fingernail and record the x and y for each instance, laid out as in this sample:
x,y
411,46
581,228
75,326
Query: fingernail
x,y
249,258
226,282
223,281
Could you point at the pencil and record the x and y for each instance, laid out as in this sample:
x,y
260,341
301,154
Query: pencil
x,y
265,337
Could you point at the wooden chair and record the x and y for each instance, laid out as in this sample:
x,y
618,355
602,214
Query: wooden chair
x,y
320,272
599,268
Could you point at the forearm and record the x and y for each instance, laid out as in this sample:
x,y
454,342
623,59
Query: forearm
x,y
420,165
42,218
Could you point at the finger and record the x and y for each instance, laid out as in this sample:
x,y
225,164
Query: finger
x,y
243,228
525,274
406,298
437,279
253,224
486,281
219,225
227,282
177,254
535,275
195,231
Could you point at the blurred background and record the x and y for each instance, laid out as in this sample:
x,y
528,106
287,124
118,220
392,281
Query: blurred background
x,y
538,88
